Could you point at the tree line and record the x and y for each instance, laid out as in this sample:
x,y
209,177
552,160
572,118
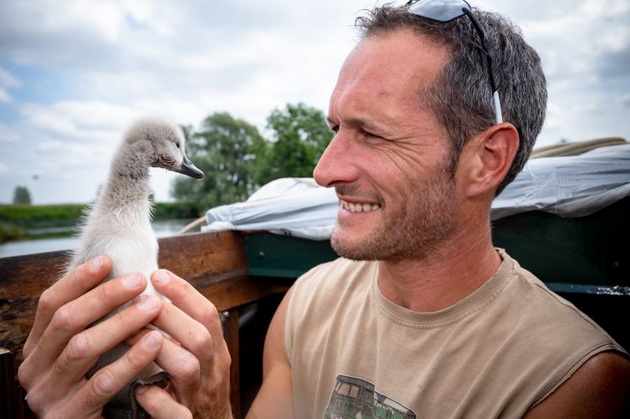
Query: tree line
x,y
237,158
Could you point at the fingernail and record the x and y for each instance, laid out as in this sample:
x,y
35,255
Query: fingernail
x,y
151,341
97,263
132,281
146,303
141,389
162,277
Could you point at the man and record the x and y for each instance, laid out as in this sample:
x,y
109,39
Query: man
x,y
423,317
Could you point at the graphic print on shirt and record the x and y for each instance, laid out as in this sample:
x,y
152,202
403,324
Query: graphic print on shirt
x,y
355,398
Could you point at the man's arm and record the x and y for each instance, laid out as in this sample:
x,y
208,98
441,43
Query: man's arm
x,y
275,398
598,389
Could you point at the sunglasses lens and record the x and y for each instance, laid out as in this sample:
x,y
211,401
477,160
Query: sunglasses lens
x,y
440,10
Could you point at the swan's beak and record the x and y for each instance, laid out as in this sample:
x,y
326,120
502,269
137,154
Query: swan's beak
x,y
189,169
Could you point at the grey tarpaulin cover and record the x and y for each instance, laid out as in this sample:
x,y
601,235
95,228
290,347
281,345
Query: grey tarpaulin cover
x,y
573,186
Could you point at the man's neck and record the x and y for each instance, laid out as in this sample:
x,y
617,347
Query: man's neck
x,y
446,276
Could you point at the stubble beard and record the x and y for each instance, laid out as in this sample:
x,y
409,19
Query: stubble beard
x,y
416,230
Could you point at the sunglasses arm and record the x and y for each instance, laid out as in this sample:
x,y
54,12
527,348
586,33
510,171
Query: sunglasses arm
x,y
485,44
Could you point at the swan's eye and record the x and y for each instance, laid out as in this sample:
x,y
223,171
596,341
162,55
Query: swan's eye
x,y
177,144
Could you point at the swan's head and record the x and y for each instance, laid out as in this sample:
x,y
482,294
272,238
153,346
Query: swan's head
x,y
164,146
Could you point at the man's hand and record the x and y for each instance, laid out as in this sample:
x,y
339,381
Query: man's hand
x,y
197,357
62,347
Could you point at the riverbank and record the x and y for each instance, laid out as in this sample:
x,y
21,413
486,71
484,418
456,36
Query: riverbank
x,y
25,222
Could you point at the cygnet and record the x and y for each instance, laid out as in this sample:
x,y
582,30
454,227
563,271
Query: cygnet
x,y
118,225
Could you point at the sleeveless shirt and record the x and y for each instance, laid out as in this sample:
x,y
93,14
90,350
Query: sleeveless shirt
x,y
495,354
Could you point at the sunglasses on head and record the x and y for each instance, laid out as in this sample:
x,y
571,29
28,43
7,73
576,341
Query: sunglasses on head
x,y
447,10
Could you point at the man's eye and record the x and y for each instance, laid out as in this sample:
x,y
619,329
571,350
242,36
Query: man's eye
x,y
368,134
334,128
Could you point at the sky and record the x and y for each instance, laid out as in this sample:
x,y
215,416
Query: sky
x,y
74,74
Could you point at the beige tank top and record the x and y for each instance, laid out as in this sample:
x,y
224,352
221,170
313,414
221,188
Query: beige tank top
x,y
495,354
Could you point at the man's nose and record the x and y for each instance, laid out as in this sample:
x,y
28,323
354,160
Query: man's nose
x,y
336,164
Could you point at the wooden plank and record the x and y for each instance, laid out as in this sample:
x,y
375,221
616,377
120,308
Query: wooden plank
x,y
22,280
240,290
203,255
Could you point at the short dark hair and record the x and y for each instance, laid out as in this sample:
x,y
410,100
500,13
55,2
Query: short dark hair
x,y
462,97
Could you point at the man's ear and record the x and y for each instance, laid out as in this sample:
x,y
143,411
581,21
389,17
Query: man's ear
x,y
487,158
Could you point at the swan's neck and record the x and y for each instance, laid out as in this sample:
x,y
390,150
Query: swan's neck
x,y
128,186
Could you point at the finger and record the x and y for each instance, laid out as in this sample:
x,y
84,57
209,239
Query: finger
x,y
194,337
108,381
189,300
192,354
199,365
86,347
76,315
159,404
76,283
184,368
193,322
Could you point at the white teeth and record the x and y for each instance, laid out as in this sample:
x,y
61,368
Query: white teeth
x,y
352,207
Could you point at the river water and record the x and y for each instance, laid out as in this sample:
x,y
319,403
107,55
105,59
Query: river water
x,y
163,228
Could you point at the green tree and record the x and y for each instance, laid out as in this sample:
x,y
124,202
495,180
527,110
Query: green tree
x,y
21,196
222,149
299,137
237,160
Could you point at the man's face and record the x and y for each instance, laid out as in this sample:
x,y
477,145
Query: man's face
x,y
389,159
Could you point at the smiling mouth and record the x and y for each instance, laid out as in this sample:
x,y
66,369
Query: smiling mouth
x,y
357,207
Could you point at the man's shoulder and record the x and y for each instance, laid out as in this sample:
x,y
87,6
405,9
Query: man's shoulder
x,y
599,388
530,299
558,335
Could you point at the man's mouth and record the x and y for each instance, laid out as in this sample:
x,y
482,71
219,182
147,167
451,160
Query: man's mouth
x,y
358,207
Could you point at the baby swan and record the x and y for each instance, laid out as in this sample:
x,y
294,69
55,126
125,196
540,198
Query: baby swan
x,y
118,225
